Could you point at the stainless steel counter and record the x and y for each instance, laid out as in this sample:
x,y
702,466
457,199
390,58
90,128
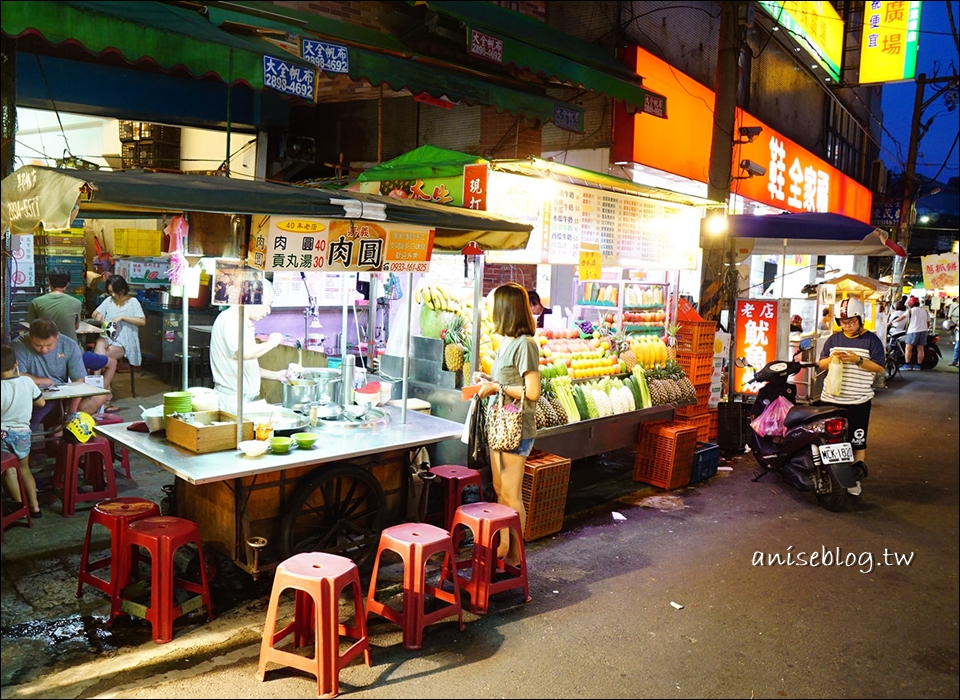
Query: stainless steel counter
x,y
333,445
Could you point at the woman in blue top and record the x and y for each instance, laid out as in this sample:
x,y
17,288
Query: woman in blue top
x,y
862,355
516,371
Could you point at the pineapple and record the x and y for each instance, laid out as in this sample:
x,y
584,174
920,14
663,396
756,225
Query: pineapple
x,y
671,341
541,413
557,408
628,356
467,358
453,351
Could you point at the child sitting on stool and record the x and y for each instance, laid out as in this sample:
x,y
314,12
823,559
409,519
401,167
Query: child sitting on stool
x,y
19,396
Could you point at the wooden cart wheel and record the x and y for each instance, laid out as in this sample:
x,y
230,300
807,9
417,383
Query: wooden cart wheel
x,y
340,510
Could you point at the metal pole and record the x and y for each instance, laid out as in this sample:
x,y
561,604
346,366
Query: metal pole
x,y
240,318
478,264
184,373
371,321
406,349
343,319
909,184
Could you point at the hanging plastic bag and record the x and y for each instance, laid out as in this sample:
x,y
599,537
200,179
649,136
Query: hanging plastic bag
x,y
771,421
834,380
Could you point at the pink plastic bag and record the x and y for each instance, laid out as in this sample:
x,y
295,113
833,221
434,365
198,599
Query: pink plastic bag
x,y
770,422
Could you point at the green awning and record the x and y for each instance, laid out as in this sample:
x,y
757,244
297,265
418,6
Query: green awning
x,y
391,63
423,162
163,34
533,45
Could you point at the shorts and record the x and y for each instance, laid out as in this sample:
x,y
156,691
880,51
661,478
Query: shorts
x,y
916,339
93,361
17,441
524,449
858,418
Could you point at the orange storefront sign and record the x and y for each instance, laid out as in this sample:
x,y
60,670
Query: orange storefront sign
x,y
756,340
796,180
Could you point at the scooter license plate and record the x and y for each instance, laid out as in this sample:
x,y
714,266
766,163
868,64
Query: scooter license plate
x,y
836,453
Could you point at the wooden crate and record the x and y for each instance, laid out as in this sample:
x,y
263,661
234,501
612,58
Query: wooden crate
x,y
202,437
545,480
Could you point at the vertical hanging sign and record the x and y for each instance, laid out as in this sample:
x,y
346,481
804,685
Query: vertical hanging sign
x,y
475,186
756,340
888,48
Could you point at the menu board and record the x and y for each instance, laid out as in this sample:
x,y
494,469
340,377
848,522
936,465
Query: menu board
x,y
326,288
630,231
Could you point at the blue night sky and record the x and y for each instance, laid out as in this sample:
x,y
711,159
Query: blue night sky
x,y
936,46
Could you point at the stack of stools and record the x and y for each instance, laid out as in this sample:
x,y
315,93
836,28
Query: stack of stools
x,y
115,514
95,458
416,543
162,536
318,580
454,479
486,520
124,456
8,460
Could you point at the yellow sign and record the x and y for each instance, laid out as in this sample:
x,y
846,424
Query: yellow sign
x,y
888,48
591,264
816,25
301,226
939,271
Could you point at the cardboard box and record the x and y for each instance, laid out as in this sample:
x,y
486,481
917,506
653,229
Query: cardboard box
x,y
202,437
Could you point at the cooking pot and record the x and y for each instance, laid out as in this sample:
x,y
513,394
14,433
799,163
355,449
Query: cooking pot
x,y
166,301
327,381
299,391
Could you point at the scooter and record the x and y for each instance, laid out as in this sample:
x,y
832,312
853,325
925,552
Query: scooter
x,y
896,353
815,454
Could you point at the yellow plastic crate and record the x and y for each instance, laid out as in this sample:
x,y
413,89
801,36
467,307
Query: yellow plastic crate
x,y
137,242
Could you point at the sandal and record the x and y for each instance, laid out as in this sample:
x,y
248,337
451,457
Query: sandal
x,y
112,409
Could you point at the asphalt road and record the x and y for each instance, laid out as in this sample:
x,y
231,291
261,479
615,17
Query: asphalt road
x,y
601,622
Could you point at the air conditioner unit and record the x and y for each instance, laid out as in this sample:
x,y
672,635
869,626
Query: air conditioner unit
x,y
301,149
878,177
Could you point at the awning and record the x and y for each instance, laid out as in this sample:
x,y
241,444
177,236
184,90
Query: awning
x,y
423,162
162,34
53,197
533,45
861,285
380,59
810,233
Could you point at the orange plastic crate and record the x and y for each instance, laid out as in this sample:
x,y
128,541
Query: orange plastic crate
x,y
665,454
696,337
701,423
699,408
545,480
714,424
699,368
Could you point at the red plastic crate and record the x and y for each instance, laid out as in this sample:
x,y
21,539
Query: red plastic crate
x,y
665,454
701,423
545,480
699,408
699,368
696,337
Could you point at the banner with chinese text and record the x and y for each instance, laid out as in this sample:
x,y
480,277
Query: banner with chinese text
x,y
337,245
939,271
756,340
889,43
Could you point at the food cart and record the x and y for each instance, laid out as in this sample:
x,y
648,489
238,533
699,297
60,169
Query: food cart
x,y
256,511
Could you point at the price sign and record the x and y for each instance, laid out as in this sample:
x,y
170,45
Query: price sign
x,y
591,264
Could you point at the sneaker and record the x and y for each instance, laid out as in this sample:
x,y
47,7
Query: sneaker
x,y
953,364
915,368
905,368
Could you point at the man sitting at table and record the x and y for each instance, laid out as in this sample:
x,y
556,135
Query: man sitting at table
x,y
65,310
50,359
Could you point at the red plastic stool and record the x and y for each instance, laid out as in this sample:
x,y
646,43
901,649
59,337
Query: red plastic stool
x,y
318,580
454,479
415,543
486,520
124,456
66,473
115,514
162,536
10,461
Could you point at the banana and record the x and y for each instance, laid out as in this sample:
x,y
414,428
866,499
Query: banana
x,y
418,295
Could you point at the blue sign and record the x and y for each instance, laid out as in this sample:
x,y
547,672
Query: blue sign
x,y
289,78
885,213
330,58
568,119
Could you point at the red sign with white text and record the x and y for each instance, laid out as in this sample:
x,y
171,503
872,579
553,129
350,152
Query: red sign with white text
x,y
756,340
475,186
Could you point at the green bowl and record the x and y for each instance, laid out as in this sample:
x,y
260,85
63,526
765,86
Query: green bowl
x,y
305,440
280,445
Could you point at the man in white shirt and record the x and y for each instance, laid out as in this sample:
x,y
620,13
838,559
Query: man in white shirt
x,y
918,325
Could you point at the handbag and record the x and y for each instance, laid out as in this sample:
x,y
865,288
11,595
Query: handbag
x,y
475,432
504,424
834,381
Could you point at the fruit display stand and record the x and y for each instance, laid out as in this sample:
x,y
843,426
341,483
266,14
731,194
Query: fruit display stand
x,y
633,307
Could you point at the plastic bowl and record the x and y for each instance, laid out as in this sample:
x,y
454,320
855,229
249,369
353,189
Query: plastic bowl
x,y
281,445
253,448
305,440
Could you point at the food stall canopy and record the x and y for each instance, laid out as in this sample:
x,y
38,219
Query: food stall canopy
x,y
35,195
424,161
811,233
865,287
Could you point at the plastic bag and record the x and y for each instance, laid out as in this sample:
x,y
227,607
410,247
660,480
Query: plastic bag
x,y
834,380
770,422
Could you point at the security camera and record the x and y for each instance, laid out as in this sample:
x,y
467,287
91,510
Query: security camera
x,y
753,168
750,132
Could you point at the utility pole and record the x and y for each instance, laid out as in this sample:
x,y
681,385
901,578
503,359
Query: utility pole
x,y
713,275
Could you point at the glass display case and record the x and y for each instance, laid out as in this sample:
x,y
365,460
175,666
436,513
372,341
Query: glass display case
x,y
635,307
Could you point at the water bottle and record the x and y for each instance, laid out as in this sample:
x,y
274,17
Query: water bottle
x,y
346,382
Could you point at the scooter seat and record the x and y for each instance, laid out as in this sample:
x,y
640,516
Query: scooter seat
x,y
799,415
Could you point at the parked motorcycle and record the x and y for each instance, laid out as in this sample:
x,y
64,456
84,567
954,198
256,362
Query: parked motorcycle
x,y
896,353
815,454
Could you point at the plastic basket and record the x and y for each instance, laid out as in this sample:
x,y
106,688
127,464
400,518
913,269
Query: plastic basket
x,y
545,480
665,454
714,425
706,459
699,408
158,155
733,425
137,242
699,368
701,423
696,337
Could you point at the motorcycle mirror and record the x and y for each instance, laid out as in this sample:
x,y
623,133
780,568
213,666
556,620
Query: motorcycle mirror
x,y
741,362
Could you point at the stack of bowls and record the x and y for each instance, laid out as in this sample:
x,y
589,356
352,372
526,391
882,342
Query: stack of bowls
x,y
177,402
